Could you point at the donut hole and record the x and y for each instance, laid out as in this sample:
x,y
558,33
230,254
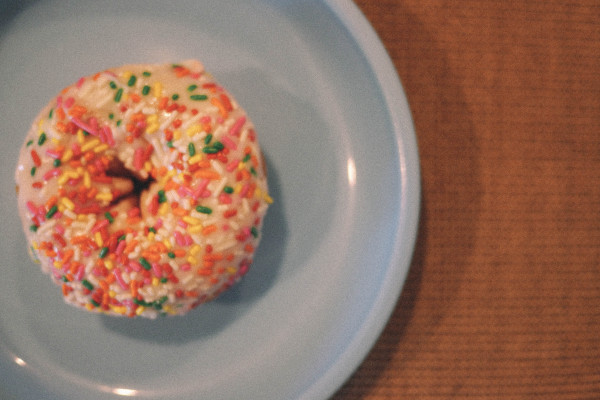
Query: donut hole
x,y
134,189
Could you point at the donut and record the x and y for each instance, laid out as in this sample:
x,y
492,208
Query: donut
x,y
142,190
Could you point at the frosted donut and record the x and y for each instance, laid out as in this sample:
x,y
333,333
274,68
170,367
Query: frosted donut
x,y
142,190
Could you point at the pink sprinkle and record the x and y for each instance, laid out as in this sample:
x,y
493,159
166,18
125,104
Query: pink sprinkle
x,y
93,122
225,198
157,270
108,135
225,227
53,153
97,271
80,272
184,191
86,127
76,149
138,162
119,279
52,173
228,143
233,165
69,102
134,212
147,281
31,207
136,266
80,82
120,248
205,119
179,238
235,128
244,190
59,101
186,267
99,225
59,229
188,240
159,223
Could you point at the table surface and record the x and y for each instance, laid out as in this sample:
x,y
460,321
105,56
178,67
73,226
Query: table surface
x,y
502,296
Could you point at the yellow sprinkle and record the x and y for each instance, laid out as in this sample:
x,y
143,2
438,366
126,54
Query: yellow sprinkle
x,y
35,245
87,180
100,148
195,159
58,264
195,229
163,209
66,176
152,118
82,217
151,236
195,249
119,309
169,310
231,270
268,198
98,239
157,89
191,220
126,75
148,166
155,281
108,264
67,203
192,260
139,310
167,243
194,129
152,127
41,124
68,154
61,208
112,293
90,145
55,140
80,136
241,166
89,306
238,188
104,196
176,134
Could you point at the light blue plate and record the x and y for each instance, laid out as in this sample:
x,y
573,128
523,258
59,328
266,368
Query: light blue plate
x,y
340,146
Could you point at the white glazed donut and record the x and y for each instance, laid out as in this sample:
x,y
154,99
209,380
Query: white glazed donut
x,y
142,190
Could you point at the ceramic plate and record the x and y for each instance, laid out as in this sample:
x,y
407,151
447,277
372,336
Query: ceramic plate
x,y
336,130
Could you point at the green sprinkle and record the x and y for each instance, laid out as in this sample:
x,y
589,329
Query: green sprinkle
x,y
163,299
112,85
56,162
192,149
118,95
65,279
42,138
33,169
199,97
246,158
145,264
210,150
170,144
109,217
51,113
87,284
151,229
111,116
103,252
119,123
94,302
218,145
132,80
122,237
254,231
191,88
208,138
228,189
175,96
51,212
145,90
86,133
204,210
252,171
171,254
146,73
164,280
161,197
33,228
29,143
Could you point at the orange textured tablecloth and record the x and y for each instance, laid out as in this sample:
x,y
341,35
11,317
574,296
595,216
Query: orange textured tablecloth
x,y
503,295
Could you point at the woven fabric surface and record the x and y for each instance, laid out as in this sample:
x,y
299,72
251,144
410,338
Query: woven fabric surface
x,y
502,298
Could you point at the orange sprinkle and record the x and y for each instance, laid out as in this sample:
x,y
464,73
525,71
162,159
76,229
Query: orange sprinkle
x,y
151,256
133,288
135,97
162,103
249,248
104,285
207,174
222,111
190,293
51,202
179,252
205,272
77,111
207,230
60,113
130,246
66,289
213,257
